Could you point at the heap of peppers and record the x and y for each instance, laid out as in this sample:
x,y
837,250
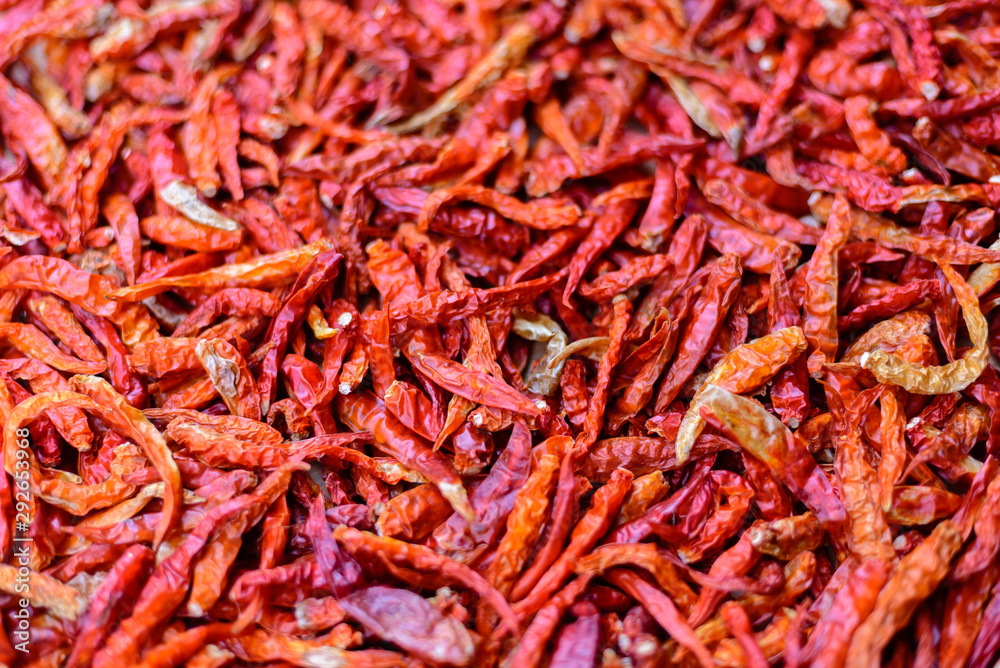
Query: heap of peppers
x,y
478,333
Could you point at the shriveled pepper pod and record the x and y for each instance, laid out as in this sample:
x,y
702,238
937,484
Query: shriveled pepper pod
x,y
569,334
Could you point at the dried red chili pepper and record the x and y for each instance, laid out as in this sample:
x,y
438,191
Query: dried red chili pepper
x,y
408,620
492,500
607,500
706,319
361,410
663,610
916,574
821,279
414,513
869,530
124,580
954,376
743,369
421,250
768,440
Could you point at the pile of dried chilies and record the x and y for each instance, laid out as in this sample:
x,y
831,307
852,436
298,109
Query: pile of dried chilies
x,y
451,333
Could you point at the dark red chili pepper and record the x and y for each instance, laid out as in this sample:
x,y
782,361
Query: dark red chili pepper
x,y
421,268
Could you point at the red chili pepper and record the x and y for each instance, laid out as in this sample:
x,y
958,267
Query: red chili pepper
x,y
361,410
706,319
125,580
607,501
420,269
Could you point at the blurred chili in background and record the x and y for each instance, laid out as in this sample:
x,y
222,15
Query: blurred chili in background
x,y
452,333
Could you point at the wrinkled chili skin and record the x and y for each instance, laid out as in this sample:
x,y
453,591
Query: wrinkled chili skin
x,y
321,271
590,334
123,377
707,315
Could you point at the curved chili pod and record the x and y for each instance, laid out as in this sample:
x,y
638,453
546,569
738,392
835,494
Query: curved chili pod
x,y
393,553
116,411
362,411
265,271
767,439
952,377
86,290
743,369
